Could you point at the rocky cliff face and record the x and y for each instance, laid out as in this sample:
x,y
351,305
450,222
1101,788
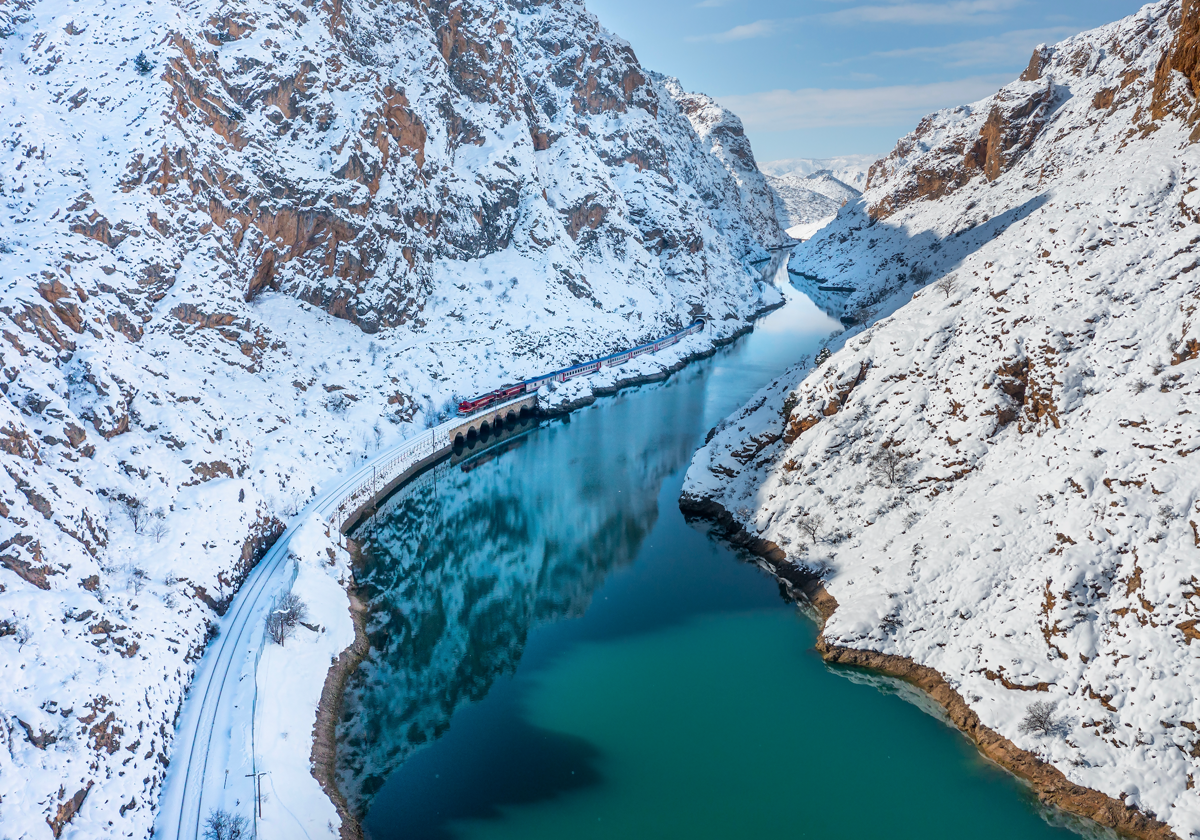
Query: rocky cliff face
x,y
993,472
245,242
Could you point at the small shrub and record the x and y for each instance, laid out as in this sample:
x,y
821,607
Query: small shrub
x,y
891,466
865,314
920,274
222,825
789,405
288,613
142,64
891,623
823,356
337,403
1040,720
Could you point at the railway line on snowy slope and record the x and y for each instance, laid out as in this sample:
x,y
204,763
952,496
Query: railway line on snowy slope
x,y
208,758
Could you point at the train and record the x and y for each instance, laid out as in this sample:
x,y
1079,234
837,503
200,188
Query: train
x,y
506,392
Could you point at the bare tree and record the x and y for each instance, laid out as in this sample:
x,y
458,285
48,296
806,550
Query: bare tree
x,y
138,513
282,621
1040,719
811,524
137,578
891,465
222,825
158,525
948,285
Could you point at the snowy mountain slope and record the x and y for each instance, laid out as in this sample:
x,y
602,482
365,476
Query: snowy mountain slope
x,y
849,169
993,474
809,202
284,237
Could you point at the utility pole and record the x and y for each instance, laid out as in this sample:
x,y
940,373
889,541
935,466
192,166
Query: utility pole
x,y
257,797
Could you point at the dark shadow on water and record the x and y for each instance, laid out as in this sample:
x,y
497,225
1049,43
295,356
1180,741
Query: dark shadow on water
x,y
512,763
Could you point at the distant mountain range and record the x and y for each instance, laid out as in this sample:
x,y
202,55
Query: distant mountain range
x,y
849,169
809,195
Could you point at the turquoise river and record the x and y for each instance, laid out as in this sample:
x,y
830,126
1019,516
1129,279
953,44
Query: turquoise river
x,y
557,654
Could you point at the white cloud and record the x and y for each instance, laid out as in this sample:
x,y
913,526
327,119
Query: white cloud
x,y
958,11
786,110
758,29
998,49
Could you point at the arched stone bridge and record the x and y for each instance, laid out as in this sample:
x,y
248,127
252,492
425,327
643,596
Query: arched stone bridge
x,y
492,419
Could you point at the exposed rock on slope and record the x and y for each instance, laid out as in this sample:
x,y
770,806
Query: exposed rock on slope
x,y
995,480
197,242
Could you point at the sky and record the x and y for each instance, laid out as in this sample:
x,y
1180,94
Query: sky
x,y
823,78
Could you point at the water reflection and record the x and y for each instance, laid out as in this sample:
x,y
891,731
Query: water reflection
x,y
460,566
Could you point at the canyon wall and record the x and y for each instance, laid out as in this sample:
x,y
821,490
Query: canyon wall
x,y
992,471
246,243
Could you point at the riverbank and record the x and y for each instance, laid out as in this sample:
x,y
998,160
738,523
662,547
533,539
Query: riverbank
x,y
324,747
806,589
324,734
581,392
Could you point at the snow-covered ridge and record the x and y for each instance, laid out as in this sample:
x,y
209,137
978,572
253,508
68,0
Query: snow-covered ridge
x,y
207,209
993,472
806,203
849,169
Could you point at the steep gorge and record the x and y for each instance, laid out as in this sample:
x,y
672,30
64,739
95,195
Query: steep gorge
x,y
990,474
246,243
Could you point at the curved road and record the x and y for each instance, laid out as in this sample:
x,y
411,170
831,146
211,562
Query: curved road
x,y
208,761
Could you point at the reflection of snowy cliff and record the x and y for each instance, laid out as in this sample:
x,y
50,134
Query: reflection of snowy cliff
x,y
461,566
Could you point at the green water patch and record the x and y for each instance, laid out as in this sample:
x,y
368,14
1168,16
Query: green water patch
x,y
557,653
731,726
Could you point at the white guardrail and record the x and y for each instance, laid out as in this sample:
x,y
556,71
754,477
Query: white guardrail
x,y
365,483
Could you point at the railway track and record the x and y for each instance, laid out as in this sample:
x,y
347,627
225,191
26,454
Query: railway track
x,y
210,767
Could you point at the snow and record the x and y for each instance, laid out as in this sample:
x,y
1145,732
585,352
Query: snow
x,y
141,362
1041,529
290,678
849,169
807,231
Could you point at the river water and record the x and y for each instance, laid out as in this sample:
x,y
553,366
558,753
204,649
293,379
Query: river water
x,y
557,653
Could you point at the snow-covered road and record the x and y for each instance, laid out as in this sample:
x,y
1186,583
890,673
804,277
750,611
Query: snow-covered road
x,y
213,763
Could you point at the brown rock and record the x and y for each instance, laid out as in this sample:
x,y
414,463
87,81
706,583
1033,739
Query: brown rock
x,y
1183,56
67,811
324,749
1034,71
1190,351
